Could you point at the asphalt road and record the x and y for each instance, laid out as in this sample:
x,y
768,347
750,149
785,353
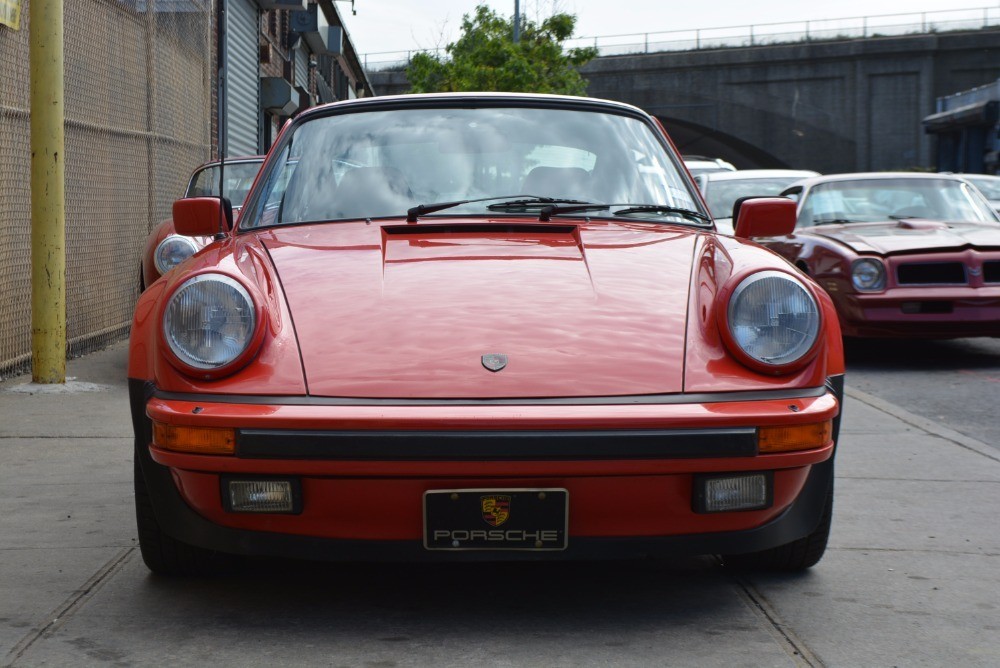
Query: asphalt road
x,y
954,382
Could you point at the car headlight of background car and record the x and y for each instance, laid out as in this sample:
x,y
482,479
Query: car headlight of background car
x,y
211,325
771,322
173,250
868,275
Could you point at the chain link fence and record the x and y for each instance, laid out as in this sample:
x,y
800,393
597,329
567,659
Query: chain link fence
x,y
138,97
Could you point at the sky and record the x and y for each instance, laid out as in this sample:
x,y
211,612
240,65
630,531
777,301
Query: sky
x,y
404,25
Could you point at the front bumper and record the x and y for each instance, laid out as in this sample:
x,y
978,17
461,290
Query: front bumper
x,y
931,312
363,501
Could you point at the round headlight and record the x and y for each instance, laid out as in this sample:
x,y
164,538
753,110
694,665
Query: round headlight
x,y
868,275
209,322
173,250
773,319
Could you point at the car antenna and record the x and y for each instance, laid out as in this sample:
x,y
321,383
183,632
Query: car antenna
x,y
221,125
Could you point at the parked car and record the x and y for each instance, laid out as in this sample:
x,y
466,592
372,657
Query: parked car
x,y
723,189
988,185
700,164
482,327
164,248
901,254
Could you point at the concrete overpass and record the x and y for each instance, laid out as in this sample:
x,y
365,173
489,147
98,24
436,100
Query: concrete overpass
x,y
832,106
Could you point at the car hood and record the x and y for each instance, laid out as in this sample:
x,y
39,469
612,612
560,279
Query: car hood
x,y
409,311
909,236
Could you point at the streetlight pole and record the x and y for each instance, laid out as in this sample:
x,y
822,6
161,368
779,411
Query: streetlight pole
x,y
48,200
517,21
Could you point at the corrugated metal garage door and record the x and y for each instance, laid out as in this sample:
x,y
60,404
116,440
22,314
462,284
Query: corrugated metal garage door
x,y
242,66
301,67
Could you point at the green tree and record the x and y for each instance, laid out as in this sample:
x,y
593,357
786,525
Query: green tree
x,y
485,58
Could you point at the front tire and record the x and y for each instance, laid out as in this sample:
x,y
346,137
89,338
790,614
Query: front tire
x,y
795,556
163,554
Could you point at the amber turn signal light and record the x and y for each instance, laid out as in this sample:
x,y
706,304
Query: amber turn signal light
x,y
794,437
199,440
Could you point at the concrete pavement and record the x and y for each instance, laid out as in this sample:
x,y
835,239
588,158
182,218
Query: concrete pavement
x,y
911,578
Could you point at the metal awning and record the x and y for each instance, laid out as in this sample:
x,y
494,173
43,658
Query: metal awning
x,y
986,112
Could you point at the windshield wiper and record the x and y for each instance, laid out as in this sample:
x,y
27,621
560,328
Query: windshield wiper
x,y
547,212
832,221
553,206
532,202
661,208
521,201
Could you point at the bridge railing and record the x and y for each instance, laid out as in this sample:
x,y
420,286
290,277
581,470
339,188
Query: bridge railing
x,y
761,34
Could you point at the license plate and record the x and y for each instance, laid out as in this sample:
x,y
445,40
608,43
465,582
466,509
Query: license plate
x,y
496,519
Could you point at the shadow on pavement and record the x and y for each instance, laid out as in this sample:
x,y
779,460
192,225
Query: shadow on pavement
x,y
921,355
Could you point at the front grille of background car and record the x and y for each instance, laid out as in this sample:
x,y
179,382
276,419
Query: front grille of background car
x,y
931,273
991,271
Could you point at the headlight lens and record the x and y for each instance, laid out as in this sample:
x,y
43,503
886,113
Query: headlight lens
x,y
172,251
868,275
773,318
209,321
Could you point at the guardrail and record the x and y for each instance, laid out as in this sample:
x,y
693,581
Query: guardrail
x,y
761,34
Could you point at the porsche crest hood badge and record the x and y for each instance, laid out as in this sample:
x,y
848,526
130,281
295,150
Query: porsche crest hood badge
x,y
494,361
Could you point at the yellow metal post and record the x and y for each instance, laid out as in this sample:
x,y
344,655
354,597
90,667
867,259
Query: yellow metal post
x,y
48,199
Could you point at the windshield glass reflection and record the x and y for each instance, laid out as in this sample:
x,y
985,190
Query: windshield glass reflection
x,y
382,163
871,200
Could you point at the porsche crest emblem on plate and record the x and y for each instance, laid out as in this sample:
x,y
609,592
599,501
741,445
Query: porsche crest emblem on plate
x,y
494,361
496,509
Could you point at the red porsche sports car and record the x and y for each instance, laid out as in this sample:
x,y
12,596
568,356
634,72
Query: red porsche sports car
x,y
482,327
165,249
902,254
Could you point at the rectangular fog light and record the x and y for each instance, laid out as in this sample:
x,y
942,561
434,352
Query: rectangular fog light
x,y
745,491
261,496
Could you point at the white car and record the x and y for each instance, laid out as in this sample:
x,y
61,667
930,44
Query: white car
x,y
988,185
722,189
699,164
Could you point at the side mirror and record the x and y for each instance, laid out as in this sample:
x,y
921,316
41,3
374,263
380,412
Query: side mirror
x,y
763,217
202,216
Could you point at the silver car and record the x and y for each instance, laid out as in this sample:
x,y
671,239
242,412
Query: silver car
x,y
722,189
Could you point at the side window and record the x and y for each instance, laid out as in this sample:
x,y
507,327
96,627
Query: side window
x,y
794,194
204,184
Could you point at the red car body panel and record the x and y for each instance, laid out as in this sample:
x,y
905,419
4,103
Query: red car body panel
x,y
406,292
600,357
377,327
901,310
375,499
970,307
337,351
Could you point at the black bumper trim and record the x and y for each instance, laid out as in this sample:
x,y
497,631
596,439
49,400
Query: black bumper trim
x,y
495,445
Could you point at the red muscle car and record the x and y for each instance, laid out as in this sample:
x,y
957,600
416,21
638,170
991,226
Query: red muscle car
x,y
482,327
901,254
165,249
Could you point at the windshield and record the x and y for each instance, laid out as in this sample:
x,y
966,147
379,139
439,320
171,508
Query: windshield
x,y
239,177
372,164
722,195
870,200
987,185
